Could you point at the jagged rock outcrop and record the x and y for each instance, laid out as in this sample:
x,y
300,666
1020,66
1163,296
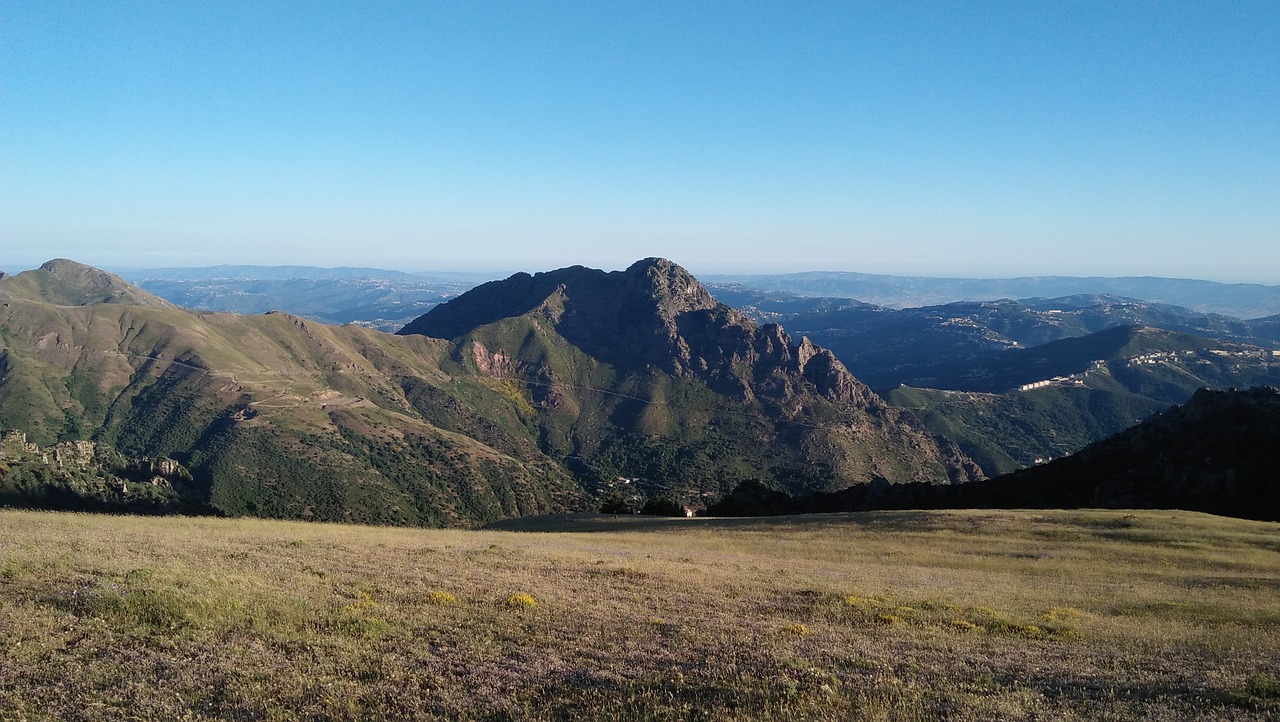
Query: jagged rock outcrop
x,y
655,320
82,474
654,313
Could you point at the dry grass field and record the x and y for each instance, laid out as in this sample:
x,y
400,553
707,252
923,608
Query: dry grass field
x,y
958,615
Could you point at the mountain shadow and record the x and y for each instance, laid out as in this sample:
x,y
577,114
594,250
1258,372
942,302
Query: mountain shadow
x,y
1218,453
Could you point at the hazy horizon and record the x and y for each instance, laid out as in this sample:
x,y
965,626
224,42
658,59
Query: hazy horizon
x,y
1001,141
501,273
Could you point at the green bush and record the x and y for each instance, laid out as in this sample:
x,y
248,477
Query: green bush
x,y
663,506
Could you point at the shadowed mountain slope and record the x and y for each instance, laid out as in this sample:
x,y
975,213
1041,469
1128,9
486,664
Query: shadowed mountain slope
x,y
1218,453
642,373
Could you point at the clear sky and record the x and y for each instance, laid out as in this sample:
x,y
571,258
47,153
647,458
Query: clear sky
x,y
942,138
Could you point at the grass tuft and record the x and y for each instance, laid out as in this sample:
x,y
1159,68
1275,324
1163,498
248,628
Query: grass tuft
x,y
1061,614
442,599
1264,685
521,601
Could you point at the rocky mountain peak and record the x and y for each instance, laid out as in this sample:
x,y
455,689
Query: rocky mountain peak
x,y
63,266
674,289
67,283
655,313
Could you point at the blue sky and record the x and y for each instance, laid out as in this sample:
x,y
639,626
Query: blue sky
x,y
943,138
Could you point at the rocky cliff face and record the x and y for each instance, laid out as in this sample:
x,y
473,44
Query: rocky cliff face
x,y
655,321
656,314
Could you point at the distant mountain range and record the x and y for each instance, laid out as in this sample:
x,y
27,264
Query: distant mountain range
x,y
538,393
388,299
1241,300
284,273
939,346
372,297
1016,383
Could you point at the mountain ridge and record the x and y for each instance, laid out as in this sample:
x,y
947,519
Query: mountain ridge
x,y
1216,453
607,310
639,332
277,415
1241,300
273,415
67,283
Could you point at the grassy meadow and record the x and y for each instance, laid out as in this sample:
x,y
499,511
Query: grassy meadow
x,y
957,615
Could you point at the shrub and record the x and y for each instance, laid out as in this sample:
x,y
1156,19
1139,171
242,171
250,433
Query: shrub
x,y
362,617
615,504
800,630
662,506
1264,686
442,599
521,601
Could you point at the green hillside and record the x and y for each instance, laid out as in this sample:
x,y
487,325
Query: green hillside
x,y
272,415
545,410
1089,388
642,375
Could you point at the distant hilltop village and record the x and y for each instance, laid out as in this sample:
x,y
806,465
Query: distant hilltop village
x,y
1156,357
